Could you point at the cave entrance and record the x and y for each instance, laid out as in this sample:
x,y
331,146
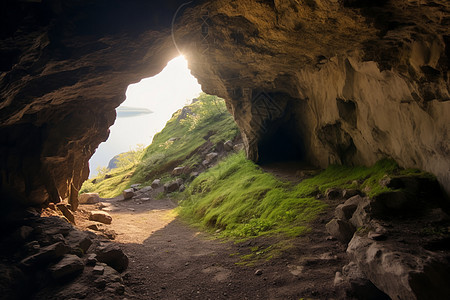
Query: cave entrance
x,y
282,145
149,104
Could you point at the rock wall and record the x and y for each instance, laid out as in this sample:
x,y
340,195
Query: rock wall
x,y
347,81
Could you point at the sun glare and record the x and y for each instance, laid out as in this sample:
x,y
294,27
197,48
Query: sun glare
x,y
149,104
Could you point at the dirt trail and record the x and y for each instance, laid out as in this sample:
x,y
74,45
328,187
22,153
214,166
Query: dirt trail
x,y
171,260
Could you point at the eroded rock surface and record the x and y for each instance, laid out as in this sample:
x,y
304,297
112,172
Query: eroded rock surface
x,y
325,81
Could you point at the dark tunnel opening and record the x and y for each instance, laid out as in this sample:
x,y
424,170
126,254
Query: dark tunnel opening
x,y
281,145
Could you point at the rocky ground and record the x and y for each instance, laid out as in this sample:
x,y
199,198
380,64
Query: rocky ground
x,y
135,247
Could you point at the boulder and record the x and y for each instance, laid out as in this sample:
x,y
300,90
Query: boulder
x,y
128,194
113,256
171,187
100,216
46,254
345,211
156,183
401,273
178,171
79,240
354,284
228,145
69,266
341,230
333,193
89,198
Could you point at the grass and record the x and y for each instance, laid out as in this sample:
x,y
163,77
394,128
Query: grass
x,y
175,145
238,198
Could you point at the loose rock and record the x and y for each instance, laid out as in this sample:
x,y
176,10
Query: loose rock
x,y
89,198
69,266
112,255
228,145
178,171
156,183
128,194
100,216
341,230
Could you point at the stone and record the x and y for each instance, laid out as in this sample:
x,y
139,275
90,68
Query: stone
x,y
182,188
128,194
258,272
351,129
79,240
410,274
228,146
46,254
113,256
333,193
98,270
238,147
376,236
89,198
341,230
211,157
361,216
171,187
146,189
69,266
178,171
354,284
345,211
91,259
156,183
66,212
135,186
100,216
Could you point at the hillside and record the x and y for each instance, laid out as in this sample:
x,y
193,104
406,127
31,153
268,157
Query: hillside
x,y
192,132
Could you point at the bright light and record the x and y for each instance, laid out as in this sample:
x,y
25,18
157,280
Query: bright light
x,y
162,94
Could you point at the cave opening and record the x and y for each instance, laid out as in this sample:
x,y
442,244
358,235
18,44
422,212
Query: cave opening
x,y
148,105
281,145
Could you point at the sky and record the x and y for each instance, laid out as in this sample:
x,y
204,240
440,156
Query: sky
x,y
149,104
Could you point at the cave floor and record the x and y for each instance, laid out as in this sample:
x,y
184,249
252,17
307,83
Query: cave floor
x,y
170,259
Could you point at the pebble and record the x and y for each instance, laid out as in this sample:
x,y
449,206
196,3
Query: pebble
x,y
258,272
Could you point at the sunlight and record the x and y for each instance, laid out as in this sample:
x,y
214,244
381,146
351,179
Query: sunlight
x,y
149,104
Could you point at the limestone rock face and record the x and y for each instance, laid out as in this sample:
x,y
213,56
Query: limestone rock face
x,y
325,81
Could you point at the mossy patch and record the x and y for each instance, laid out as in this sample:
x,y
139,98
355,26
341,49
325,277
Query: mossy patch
x,y
242,201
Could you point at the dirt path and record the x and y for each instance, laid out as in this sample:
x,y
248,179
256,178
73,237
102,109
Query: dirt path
x,y
171,260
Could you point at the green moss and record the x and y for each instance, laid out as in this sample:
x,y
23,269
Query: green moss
x,y
237,197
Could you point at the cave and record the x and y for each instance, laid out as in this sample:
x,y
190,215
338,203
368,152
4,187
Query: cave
x,y
359,80
281,146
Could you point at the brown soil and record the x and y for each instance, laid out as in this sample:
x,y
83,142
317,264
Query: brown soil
x,y
172,260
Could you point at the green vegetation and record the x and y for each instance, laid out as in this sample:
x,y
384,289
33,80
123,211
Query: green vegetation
x,y
204,121
237,197
241,200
